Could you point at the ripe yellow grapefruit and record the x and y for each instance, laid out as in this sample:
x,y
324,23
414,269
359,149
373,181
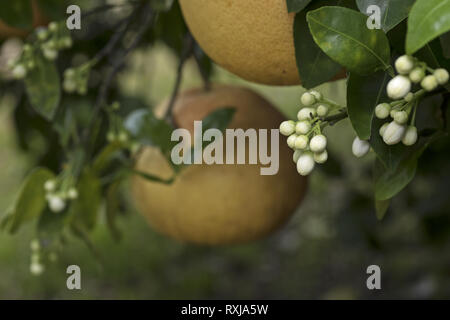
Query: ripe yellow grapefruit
x,y
7,31
250,38
219,204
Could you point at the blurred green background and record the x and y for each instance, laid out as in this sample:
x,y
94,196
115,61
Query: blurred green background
x,y
322,253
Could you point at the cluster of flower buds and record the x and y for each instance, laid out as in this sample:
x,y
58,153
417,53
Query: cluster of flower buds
x,y
49,41
36,266
117,133
58,193
76,79
304,135
401,126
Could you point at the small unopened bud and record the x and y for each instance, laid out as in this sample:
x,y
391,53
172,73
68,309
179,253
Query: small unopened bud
x,y
308,99
36,269
302,127
287,128
56,204
291,141
53,26
394,133
429,83
50,54
417,75
404,64
409,97
35,245
410,137
305,164
69,85
316,95
360,147
441,76
72,193
301,142
296,155
398,87
50,185
401,117
382,110
322,110
42,33
383,128
306,114
321,157
318,143
19,71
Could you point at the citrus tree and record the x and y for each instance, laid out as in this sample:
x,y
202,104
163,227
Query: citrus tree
x,y
393,54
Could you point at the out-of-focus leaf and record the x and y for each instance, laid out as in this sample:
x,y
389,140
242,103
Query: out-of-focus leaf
x,y
314,66
381,208
428,20
17,13
343,35
218,119
85,208
445,43
112,210
31,200
43,87
392,11
297,5
162,5
363,95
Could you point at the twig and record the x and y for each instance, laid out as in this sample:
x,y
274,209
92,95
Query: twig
x,y
185,54
331,120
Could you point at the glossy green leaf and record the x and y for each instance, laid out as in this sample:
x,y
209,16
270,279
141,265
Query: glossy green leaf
x,y
428,20
392,11
44,88
297,5
218,119
85,208
343,35
381,208
17,13
364,93
31,200
314,66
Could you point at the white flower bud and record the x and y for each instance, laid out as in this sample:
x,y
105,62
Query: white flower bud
x,y
19,71
69,85
296,155
429,83
410,137
306,114
69,73
318,143
72,193
404,64
287,127
316,95
360,147
382,110
417,75
302,127
398,87
322,110
394,133
56,203
50,185
383,128
401,117
53,26
123,136
50,54
36,269
291,141
42,33
301,142
409,97
305,164
321,157
441,76
308,99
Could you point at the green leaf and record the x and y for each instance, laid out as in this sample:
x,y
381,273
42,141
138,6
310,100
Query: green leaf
x,y
85,208
381,208
218,119
54,9
44,88
343,35
31,200
151,177
314,66
17,13
364,93
445,43
112,210
297,5
428,20
162,5
392,11
433,55
148,129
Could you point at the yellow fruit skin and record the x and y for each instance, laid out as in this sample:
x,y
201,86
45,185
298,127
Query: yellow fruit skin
x,y
251,38
219,204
